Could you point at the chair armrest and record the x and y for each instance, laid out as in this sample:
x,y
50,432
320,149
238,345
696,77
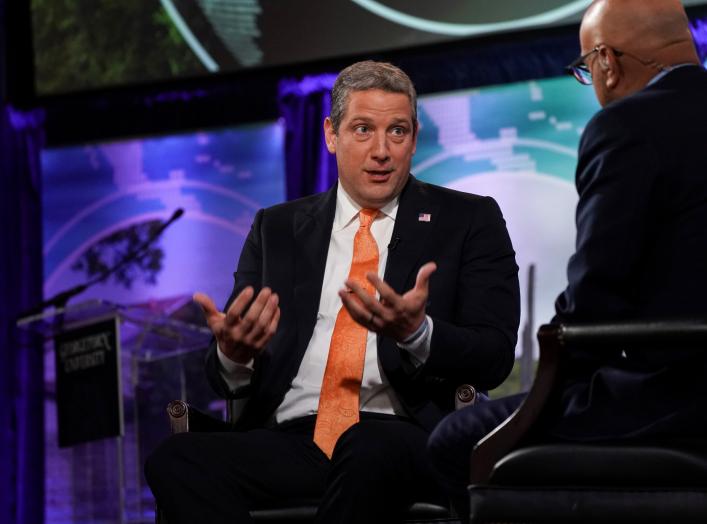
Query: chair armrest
x,y
465,395
553,340
501,440
677,334
184,418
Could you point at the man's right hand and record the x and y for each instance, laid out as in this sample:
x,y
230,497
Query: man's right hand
x,y
241,337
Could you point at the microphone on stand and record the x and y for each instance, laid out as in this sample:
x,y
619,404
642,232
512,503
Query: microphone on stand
x,y
61,298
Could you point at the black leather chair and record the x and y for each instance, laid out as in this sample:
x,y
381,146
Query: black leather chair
x,y
651,481
184,417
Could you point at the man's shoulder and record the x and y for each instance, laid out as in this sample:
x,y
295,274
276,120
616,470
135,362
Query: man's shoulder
x,y
675,96
451,199
446,195
678,88
293,206
683,78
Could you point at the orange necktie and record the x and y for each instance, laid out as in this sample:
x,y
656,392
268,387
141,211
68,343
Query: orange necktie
x,y
339,397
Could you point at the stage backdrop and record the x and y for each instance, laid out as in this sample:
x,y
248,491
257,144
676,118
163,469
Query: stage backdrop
x,y
101,200
517,143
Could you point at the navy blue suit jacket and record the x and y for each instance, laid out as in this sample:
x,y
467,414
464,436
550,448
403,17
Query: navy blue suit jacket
x,y
641,253
473,301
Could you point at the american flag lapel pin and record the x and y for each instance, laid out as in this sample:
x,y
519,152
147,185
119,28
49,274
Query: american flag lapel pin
x,y
424,217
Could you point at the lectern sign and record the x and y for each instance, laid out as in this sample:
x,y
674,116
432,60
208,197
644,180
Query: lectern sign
x,y
88,389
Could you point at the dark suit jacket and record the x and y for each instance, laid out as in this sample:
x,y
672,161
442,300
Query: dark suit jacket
x,y
473,301
641,253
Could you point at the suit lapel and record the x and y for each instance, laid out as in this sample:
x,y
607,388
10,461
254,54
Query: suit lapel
x,y
312,233
415,221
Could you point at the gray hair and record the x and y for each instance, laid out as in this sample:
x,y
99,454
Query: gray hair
x,y
366,75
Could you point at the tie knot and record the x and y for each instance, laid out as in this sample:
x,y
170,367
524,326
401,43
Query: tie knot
x,y
366,216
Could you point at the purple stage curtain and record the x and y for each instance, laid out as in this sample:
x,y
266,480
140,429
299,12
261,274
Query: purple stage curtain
x,y
303,105
21,354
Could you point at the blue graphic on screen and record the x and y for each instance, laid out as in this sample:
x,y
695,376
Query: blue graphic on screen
x,y
518,144
102,200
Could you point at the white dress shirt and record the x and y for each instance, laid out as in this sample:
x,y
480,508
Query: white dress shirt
x,y
377,395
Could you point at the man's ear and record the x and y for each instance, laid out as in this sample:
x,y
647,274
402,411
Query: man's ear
x,y
610,66
329,135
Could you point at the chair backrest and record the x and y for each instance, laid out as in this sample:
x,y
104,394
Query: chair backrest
x,y
656,480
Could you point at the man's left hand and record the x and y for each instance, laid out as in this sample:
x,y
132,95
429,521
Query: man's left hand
x,y
395,316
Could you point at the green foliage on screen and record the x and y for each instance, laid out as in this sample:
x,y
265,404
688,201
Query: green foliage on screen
x,y
86,44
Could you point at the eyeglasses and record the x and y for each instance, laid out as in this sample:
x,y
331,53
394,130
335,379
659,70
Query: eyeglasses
x,y
580,70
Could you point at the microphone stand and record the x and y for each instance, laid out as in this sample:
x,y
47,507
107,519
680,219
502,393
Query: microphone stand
x,y
60,299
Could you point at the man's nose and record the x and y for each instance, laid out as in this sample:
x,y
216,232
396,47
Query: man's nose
x,y
380,150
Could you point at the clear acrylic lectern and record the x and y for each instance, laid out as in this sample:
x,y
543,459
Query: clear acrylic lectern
x,y
161,352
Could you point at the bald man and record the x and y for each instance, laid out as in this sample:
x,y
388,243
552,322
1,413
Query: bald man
x,y
641,249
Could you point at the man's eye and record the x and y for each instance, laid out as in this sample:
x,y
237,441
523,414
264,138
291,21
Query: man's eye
x,y
361,129
398,131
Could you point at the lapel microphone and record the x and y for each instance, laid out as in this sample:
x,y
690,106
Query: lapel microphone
x,y
393,243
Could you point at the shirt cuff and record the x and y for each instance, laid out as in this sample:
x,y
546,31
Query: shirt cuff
x,y
234,374
418,344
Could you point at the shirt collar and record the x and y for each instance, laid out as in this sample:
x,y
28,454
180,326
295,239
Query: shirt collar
x,y
347,209
667,70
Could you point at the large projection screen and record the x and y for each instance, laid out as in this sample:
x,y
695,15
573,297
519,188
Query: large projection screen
x,y
84,44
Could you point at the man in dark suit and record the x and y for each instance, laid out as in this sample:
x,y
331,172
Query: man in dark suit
x,y
641,249
278,346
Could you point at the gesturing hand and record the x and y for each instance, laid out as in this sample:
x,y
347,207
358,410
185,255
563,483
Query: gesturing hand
x,y
393,315
241,337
